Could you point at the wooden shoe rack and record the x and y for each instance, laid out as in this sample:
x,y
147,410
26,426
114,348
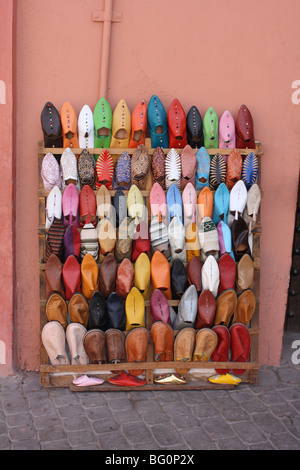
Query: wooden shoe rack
x,y
197,378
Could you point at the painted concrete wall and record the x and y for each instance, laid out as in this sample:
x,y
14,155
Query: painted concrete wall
x,y
205,53
6,188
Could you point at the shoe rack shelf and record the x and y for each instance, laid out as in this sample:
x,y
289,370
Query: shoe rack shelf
x,y
197,378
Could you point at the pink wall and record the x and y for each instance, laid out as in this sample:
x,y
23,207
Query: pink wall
x,y
6,188
215,53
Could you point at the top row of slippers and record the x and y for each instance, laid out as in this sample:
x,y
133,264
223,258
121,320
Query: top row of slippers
x,y
121,128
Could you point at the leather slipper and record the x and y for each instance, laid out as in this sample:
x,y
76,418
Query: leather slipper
x,y
121,126
57,309
74,335
94,345
54,341
136,346
221,352
184,347
157,123
139,123
126,379
86,381
240,344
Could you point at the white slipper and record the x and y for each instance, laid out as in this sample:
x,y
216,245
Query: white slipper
x,y
86,132
53,206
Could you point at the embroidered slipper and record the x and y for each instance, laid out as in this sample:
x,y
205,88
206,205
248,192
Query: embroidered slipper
x,y
55,240
158,167
121,126
174,203
234,168
227,138
208,239
244,129
173,169
69,126
188,166
104,170
139,123
250,170
202,168
140,167
157,123
68,164
86,169
86,131
177,125
217,173
51,127
194,128
122,176
50,172
211,129
103,123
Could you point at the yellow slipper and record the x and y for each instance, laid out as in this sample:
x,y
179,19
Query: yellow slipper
x,y
224,379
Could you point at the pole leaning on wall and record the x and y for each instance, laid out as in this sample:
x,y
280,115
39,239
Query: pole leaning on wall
x,y
107,17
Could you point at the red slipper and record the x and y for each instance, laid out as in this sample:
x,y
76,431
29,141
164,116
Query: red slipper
x,y
126,379
240,342
221,352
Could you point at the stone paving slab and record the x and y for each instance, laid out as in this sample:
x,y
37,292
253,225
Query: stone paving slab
x,y
249,417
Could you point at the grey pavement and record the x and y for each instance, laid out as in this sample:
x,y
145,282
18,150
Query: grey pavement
x,y
249,417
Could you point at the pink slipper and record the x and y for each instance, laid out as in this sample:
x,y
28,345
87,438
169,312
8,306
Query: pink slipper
x,y
85,381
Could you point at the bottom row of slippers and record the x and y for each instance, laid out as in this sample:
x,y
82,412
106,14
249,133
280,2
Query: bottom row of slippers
x,y
219,344
125,379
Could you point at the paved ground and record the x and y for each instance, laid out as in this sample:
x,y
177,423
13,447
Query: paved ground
x,y
249,417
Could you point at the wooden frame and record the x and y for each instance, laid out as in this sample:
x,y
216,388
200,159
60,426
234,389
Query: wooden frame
x,y
62,376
